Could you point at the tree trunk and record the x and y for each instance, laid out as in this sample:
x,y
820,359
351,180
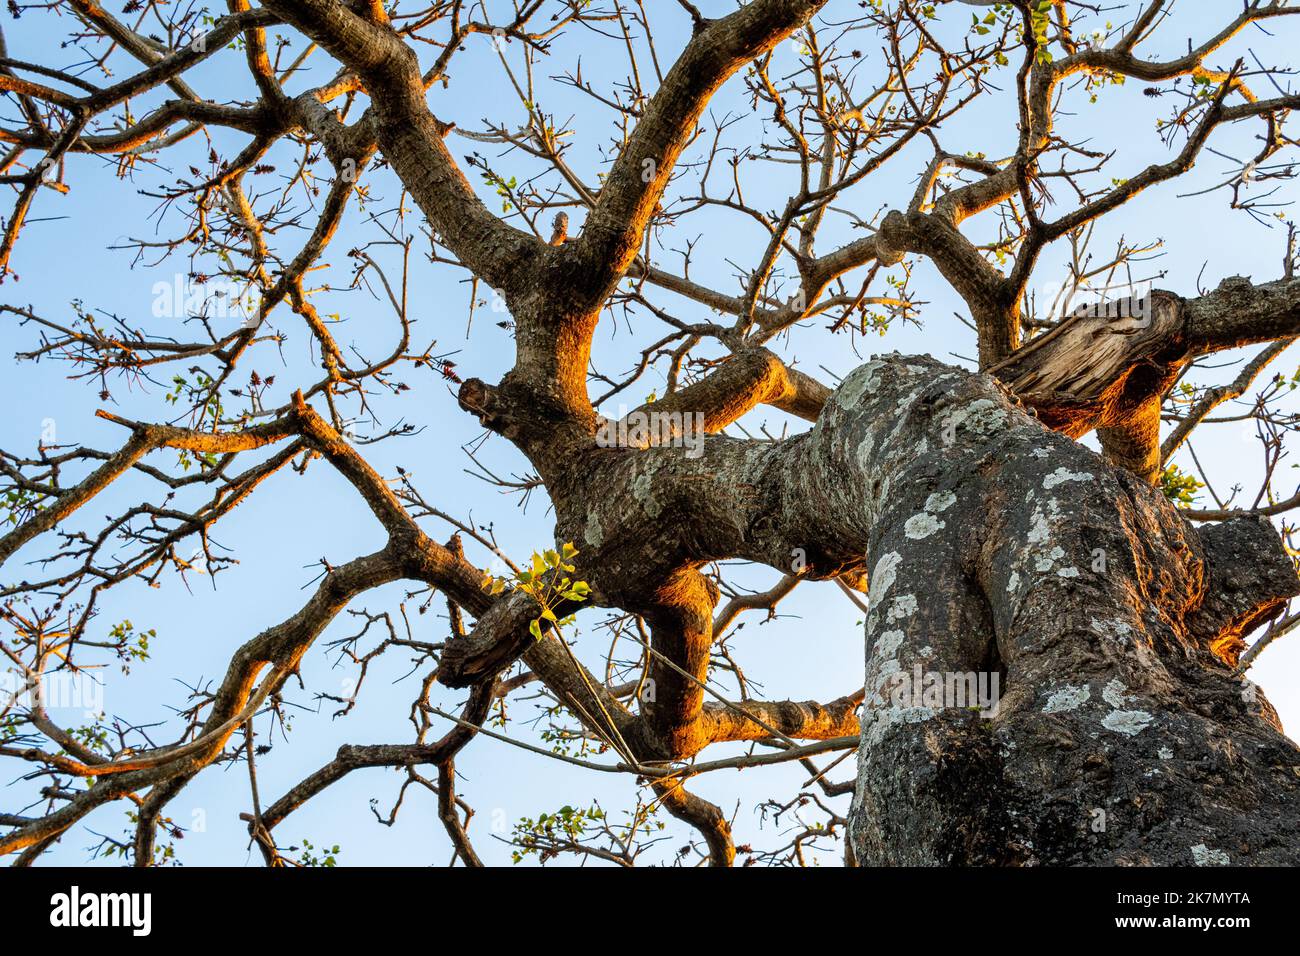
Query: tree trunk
x,y
999,547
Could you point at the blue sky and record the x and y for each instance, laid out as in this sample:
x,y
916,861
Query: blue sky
x,y
814,650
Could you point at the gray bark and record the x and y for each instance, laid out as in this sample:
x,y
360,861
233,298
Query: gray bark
x,y
1122,736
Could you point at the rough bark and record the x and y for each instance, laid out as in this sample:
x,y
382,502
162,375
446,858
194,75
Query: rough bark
x,y
1122,736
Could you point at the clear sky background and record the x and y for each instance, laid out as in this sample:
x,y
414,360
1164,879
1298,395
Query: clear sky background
x,y
813,650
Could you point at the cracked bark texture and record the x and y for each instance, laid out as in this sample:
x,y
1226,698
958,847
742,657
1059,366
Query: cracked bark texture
x,y
995,544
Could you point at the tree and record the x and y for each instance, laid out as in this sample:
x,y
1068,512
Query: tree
x,y
1054,647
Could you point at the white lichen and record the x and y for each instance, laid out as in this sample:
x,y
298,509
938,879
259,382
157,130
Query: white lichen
x,y
1115,630
1203,855
940,501
1068,697
921,526
880,673
902,606
887,644
642,491
981,417
1045,559
1130,723
878,722
594,534
861,381
882,578
906,401
865,448
1114,694
1062,475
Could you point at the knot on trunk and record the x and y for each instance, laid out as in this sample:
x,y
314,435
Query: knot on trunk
x,y
496,641
1249,578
